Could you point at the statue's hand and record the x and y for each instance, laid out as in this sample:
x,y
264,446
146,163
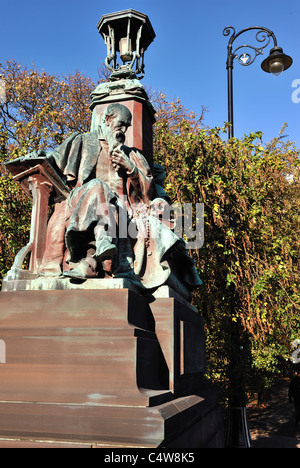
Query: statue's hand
x,y
120,159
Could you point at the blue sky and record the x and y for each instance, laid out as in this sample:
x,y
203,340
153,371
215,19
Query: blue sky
x,y
187,58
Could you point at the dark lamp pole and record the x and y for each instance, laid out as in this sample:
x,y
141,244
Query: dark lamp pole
x,y
238,434
275,63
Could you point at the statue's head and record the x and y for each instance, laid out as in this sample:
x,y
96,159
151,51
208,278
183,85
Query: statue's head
x,y
115,121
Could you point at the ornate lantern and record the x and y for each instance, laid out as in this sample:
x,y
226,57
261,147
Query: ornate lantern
x,y
127,35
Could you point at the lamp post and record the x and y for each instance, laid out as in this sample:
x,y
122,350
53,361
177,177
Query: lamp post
x,y
238,434
275,63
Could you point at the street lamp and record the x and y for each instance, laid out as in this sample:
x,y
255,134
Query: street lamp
x,y
275,63
238,434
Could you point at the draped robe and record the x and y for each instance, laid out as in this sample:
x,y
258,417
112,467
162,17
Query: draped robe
x,y
84,161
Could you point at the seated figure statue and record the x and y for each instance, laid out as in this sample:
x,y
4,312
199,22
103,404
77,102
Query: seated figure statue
x,y
109,226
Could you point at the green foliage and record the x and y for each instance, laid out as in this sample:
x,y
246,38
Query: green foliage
x,y
39,112
250,259
15,211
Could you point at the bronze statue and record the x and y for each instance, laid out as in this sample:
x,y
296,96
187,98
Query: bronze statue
x,y
110,224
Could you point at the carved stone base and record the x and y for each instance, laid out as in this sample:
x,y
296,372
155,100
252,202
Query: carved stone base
x,y
104,367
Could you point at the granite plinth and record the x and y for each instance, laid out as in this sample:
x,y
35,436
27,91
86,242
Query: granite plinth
x,y
103,367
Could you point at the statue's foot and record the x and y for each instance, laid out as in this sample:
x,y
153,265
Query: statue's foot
x,y
105,248
83,271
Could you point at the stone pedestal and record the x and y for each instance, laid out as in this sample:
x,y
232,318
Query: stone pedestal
x,y
104,368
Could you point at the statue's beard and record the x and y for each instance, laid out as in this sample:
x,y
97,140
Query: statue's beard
x,y
115,139
120,136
